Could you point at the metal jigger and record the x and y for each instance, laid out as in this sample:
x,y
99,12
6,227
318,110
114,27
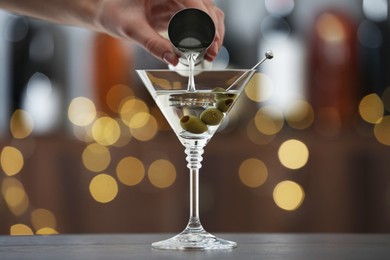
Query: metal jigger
x,y
191,31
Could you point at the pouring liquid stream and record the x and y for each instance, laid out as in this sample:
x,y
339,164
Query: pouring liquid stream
x,y
191,58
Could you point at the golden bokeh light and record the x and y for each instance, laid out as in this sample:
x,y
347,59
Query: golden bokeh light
x,y
382,131
131,107
21,124
83,133
103,188
288,195
125,136
20,230
293,154
130,171
299,114
269,120
371,108
139,120
11,160
106,130
161,82
116,95
177,85
253,172
257,137
46,231
14,195
162,173
41,218
330,28
259,88
96,157
81,111
147,131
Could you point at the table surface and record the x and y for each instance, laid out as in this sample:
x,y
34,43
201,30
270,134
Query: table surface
x,y
250,246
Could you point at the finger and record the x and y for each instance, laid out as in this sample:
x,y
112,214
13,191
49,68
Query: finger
x,y
155,44
161,12
221,26
160,22
218,18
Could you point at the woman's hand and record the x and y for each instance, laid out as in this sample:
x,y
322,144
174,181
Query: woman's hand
x,y
143,20
139,20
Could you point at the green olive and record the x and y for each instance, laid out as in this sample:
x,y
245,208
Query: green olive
x,y
193,124
211,116
224,104
219,89
222,94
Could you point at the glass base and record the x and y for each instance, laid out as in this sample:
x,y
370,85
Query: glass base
x,y
194,241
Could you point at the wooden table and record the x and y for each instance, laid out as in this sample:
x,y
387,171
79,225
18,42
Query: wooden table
x,y
250,246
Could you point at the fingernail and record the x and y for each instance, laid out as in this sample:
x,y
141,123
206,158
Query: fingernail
x,y
209,57
169,58
212,52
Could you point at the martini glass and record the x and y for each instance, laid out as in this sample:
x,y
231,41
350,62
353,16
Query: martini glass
x,y
195,114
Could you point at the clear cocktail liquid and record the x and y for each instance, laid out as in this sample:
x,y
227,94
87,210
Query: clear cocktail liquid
x,y
177,104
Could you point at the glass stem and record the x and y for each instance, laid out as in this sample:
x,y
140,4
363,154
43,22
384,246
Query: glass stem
x,y
194,158
194,222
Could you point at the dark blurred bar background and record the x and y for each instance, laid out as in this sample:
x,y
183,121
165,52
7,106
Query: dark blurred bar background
x,y
83,148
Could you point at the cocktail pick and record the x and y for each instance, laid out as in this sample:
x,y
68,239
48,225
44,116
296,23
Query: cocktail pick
x,y
268,55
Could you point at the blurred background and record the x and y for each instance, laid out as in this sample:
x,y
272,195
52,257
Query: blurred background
x,y
83,148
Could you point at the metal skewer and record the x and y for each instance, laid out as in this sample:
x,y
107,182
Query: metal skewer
x,y
268,55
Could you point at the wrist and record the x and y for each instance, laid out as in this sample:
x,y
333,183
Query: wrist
x,y
85,12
